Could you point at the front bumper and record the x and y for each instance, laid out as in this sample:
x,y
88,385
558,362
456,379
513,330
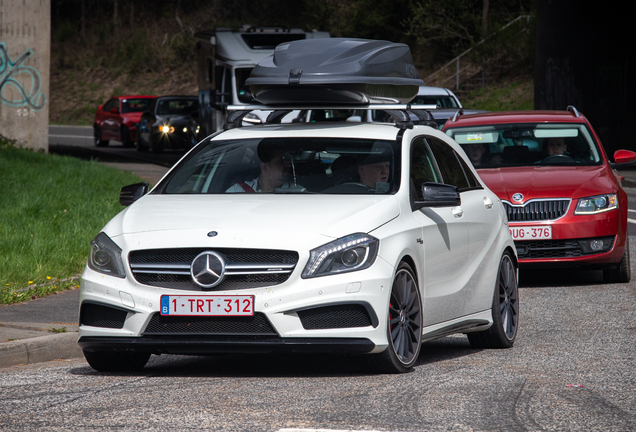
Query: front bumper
x,y
297,315
571,237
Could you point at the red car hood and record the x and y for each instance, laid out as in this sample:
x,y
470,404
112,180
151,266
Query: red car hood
x,y
549,181
133,116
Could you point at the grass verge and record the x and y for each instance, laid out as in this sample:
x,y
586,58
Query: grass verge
x,y
507,96
50,208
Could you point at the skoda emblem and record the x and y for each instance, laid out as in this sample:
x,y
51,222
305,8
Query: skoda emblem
x,y
517,197
207,269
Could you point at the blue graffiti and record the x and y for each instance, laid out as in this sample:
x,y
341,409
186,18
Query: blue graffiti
x,y
9,72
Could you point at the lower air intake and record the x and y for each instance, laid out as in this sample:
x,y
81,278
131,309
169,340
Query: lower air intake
x,y
95,315
333,317
185,325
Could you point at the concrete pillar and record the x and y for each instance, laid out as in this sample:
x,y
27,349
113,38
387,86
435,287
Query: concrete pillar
x,y
25,57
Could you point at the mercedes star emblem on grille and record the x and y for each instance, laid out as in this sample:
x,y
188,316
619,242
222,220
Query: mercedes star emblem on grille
x,y
517,197
207,269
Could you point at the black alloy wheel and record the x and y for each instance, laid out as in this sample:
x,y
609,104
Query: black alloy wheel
x,y
404,329
505,309
125,136
97,135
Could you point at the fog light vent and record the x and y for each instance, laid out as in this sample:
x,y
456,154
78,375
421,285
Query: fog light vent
x,y
337,316
96,315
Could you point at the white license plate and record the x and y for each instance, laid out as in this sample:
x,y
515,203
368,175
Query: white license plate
x,y
207,305
540,232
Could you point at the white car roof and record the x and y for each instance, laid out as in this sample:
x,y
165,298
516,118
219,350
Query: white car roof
x,y
380,131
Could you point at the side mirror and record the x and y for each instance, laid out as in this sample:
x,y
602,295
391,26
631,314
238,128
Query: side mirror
x,y
131,193
100,108
438,195
355,119
623,158
114,111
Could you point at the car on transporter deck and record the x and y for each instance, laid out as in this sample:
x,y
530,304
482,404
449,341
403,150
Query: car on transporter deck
x,y
254,243
565,203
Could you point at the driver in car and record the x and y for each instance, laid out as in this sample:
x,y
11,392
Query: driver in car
x,y
375,169
274,172
555,146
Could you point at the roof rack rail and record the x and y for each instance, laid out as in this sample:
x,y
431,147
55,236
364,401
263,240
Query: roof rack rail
x,y
399,112
457,114
573,110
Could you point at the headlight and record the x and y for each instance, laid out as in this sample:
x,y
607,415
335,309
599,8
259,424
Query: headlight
x,y
351,253
106,257
166,129
596,204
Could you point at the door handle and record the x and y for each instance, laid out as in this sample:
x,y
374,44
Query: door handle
x,y
457,212
487,203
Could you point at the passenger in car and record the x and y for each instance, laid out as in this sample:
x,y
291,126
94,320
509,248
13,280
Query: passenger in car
x,y
480,156
274,172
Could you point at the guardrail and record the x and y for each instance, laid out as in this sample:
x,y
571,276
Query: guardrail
x,y
456,60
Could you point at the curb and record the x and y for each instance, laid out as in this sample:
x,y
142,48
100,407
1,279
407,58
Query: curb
x,y
40,349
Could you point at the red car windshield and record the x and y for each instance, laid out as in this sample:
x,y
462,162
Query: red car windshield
x,y
135,105
528,144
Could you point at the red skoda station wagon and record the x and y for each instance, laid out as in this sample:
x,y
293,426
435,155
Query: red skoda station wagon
x,y
564,200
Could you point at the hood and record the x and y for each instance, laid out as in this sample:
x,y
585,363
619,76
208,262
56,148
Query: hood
x,y
173,118
246,220
549,181
133,116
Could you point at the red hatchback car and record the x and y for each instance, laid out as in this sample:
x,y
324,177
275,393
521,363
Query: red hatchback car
x,y
117,119
564,200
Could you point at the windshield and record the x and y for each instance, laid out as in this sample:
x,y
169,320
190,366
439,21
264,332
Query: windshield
x,y
442,101
135,104
183,107
528,144
288,165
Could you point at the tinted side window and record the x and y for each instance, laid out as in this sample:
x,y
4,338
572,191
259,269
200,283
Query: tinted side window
x,y
449,165
472,180
113,103
423,167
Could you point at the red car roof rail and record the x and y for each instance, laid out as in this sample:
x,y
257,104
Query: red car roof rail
x,y
573,110
457,114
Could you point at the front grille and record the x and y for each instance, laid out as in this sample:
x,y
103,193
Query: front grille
x,y
95,315
570,248
256,324
537,210
246,268
332,317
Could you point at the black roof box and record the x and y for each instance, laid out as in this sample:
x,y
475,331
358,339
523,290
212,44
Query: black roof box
x,y
336,70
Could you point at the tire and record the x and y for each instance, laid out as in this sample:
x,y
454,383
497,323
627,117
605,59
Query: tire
x,y
156,146
116,361
623,272
505,309
139,143
404,329
97,135
125,137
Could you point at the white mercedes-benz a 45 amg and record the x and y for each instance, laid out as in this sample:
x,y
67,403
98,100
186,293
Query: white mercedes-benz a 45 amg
x,y
364,239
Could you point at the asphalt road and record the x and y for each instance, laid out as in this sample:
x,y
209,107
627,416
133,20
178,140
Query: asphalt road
x,y
572,369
